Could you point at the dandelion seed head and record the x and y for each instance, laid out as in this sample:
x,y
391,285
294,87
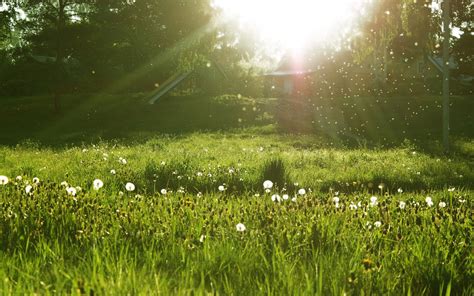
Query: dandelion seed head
x,y
240,227
267,184
276,198
130,187
71,191
373,201
4,180
97,184
429,201
402,205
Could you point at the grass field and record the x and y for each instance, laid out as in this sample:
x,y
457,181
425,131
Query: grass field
x,y
118,197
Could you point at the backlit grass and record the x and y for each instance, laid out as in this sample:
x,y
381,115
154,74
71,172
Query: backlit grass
x,y
188,213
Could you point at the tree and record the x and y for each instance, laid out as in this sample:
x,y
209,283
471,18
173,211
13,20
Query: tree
x,y
48,23
462,17
378,32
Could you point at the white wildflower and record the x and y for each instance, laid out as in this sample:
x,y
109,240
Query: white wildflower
x,y
4,180
402,204
71,191
130,186
97,184
276,198
267,184
240,227
373,201
429,201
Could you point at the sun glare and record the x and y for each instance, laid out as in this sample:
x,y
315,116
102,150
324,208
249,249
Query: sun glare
x,y
293,24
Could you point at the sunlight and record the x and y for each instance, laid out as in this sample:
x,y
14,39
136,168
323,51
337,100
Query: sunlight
x,y
293,24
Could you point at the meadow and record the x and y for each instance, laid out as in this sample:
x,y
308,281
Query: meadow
x,y
202,195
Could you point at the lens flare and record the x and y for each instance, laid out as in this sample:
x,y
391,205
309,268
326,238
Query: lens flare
x,y
294,24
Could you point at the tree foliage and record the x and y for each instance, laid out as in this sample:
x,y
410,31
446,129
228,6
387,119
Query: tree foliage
x,y
133,45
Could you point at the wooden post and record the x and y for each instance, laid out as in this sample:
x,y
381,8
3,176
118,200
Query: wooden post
x,y
447,35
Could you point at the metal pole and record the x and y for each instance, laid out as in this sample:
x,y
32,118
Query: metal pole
x,y
446,35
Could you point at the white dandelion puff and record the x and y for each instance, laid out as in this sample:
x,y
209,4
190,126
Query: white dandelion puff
x,y
402,204
286,196
240,227
71,191
429,201
221,188
373,201
163,191
97,184
4,180
302,191
267,184
28,189
130,187
113,172
442,204
377,224
276,198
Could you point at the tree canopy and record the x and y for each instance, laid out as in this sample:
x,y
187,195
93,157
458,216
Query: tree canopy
x,y
89,45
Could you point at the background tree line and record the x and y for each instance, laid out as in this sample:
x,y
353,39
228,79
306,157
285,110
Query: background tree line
x,y
64,46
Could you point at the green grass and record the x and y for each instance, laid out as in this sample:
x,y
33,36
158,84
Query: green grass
x,y
111,241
